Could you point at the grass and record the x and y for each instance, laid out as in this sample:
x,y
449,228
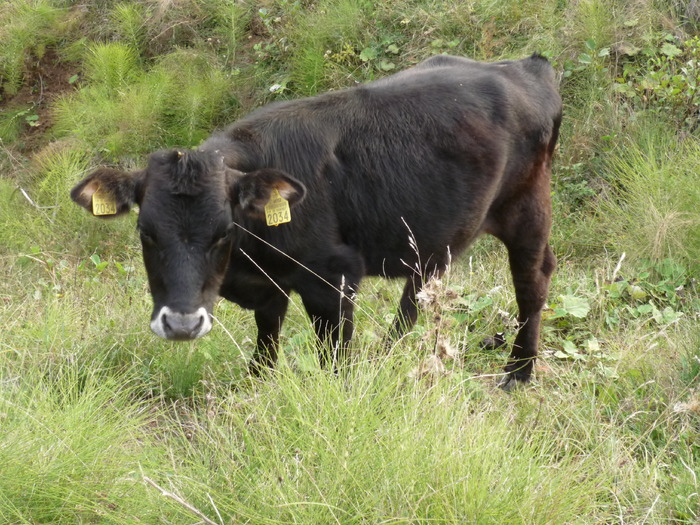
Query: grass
x,y
103,423
655,177
27,27
69,440
304,445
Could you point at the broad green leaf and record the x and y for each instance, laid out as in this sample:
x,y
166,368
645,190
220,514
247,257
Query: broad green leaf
x,y
670,50
569,347
645,309
575,306
668,315
481,303
637,293
585,58
367,54
592,345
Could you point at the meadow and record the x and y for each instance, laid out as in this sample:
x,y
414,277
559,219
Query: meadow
x,y
102,422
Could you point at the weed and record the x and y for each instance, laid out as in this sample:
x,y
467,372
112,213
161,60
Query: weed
x,y
130,19
335,21
663,79
197,96
13,122
111,66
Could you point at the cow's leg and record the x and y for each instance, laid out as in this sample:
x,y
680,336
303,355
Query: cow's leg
x,y
269,322
524,229
408,307
328,298
532,269
331,312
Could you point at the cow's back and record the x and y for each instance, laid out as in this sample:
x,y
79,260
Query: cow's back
x,y
423,153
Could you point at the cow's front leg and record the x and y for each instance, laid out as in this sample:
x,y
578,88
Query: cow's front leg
x,y
269,320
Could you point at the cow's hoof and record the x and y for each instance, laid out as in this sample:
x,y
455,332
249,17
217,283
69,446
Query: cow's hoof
x,y
494,342
260,370
511,383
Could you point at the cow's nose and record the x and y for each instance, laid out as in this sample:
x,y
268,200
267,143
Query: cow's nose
x,y
178,326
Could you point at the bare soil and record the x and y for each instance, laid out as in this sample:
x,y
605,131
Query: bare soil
x,y
45,80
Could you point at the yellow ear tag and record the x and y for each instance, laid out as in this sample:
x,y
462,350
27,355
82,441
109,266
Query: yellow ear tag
x,y
277,210
103,204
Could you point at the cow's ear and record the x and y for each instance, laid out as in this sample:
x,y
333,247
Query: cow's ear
x,y
252,191
108,193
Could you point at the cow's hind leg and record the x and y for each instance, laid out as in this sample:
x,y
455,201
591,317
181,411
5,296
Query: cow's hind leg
x,y
408,307
525,232
532,270
407,314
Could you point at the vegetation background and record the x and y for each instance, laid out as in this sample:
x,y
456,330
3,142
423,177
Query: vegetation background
x,y
101,422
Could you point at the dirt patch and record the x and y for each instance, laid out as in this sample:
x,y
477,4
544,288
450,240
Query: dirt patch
x,y
45,80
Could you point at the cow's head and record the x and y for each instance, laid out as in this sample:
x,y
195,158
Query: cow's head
x,y
187,202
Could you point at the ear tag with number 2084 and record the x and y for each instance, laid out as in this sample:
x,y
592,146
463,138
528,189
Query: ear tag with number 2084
x,y
277,210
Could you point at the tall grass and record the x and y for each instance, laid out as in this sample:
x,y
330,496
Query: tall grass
x,y
25,27
653,209
70,444
136,429
333,22
374,447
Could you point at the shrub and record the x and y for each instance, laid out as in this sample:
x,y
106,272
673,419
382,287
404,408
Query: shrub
x,y
126,110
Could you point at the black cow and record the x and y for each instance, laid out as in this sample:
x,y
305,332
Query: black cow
x,y
387,178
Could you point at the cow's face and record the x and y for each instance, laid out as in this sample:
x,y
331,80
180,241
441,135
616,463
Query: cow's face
x,y
187,201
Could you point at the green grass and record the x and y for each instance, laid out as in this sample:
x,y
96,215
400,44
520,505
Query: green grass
x,y
128,19
314,34
303,445
652,209
27,27
101,422
70,443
